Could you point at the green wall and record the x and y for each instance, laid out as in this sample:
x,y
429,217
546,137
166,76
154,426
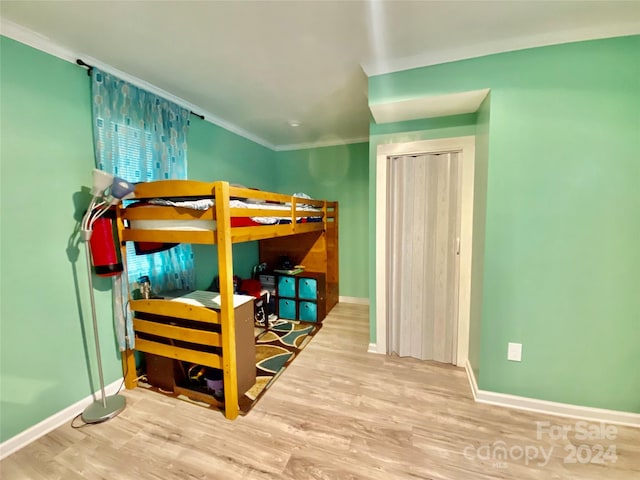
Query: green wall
x,y
214,154
46,155
561,263
481,164
336,173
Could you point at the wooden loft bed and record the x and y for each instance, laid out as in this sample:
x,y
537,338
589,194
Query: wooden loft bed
x,y
201,335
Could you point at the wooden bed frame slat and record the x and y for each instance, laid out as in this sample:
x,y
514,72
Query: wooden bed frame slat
x,y
177,353
174,332
174,188
172,308
248,234
206,237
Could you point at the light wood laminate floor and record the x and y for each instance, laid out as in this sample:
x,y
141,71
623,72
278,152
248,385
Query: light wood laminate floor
x,y
337,412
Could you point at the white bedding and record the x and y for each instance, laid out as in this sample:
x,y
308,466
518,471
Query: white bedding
x,y
203,298
182,225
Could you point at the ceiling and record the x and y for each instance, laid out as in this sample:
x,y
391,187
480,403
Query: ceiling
x,y
256,66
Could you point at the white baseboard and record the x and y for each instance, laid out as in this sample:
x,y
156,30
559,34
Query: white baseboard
x,y
356,300
51,423
472,380
551,408
373,348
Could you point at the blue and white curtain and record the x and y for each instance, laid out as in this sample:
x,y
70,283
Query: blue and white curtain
x,y
138,136
141,137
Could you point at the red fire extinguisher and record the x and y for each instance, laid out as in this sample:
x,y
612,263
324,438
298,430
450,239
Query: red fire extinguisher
x,y
103,249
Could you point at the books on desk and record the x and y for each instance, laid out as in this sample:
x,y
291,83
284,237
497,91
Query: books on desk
x,y
204,298
292,271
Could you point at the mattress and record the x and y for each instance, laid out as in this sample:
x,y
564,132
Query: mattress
x,y
205,225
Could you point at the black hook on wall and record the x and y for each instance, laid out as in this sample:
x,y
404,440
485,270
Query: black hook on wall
x,y
86,65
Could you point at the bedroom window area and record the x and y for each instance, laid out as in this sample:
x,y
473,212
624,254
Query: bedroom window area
x,y
129,145
141,137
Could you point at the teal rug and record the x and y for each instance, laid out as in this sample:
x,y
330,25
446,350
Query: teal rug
x,y
276,348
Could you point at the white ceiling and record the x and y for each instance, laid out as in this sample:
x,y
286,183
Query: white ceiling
x,y
254,66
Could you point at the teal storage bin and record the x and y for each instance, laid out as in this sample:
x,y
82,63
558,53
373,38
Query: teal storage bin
x,y
287,287
287,309
308,311
308,288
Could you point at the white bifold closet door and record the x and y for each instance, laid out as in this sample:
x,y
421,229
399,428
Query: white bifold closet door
x,y
423,243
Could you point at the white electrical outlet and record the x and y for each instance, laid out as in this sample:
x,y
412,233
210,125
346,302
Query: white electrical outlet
x,y
514,352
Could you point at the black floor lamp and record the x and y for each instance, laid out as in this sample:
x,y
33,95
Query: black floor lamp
x,y
107,191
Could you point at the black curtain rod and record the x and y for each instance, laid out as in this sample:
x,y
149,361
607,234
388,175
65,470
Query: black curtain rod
x,y
89,68
86,65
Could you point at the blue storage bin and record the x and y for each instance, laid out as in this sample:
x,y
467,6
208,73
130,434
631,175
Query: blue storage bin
x,y
308,311
287,287
308,288
287,308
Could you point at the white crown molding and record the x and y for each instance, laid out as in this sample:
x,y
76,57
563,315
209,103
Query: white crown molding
x,y
33,433
322,143
429,106
591,414
373,68
44,44
35,40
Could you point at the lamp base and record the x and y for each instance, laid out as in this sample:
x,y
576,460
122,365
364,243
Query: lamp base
x,y
97,412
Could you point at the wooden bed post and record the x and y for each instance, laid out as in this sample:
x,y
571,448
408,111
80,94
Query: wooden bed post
x,y
129,366
227,320
128,356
